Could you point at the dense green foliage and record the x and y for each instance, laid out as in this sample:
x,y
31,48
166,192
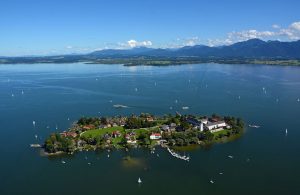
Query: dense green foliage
x,y
137,123
89,121
57,143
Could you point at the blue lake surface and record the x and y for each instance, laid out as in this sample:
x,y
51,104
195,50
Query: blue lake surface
x,y
266,160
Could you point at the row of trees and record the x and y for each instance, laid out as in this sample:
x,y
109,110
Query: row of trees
x,y
89,121
188,137
134,122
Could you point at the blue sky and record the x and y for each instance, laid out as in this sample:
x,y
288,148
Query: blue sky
x,y
47,27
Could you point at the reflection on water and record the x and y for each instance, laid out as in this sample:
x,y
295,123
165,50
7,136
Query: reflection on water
x,y
129,162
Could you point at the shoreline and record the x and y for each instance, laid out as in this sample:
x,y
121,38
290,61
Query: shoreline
x,y
144,131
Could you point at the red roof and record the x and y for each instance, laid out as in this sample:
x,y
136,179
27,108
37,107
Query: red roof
x,y
156,134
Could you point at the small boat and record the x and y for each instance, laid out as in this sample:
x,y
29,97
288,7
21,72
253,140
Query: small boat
x,y
108,156
63,162
35,146
229,156
211,181
176,101
119,106
12,95
33,123
139,180
136,89
89,163
298,100
22,92
286,131
221,173
254,126
185,108
36,136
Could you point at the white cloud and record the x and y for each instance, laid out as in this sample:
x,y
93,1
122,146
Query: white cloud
x,y
133,43
191,41
295,26
249,34
276,26
291,33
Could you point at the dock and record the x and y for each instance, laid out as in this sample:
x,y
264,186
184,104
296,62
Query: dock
x,y
185,158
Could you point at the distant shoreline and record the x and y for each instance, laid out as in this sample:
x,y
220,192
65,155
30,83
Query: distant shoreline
x,y
161,62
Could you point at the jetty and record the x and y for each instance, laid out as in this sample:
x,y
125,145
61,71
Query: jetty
x,y
186,158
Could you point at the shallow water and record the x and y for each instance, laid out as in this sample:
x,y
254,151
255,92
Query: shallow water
x,y
265,159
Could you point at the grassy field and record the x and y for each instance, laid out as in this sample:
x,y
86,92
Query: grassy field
x,y
216,134
97,132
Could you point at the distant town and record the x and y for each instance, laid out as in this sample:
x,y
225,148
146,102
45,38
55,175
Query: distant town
x,y
145,130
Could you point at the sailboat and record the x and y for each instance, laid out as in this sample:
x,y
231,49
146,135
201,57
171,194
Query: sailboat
x,y
139,180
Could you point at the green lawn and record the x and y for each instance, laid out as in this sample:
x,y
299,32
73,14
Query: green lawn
x,y
98,132
216,134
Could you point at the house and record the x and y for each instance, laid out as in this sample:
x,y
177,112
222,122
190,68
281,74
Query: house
x,y
165,128
131,141
155,136
68,134
102,126
149,119
179,128
173,126
116,134
72,134
88,127
215,125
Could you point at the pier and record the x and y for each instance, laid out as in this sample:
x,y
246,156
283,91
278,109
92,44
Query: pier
x,y
186,158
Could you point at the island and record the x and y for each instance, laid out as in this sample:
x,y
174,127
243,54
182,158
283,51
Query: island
x,y
145,130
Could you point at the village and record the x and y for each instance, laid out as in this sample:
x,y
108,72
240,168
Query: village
x,y
145,130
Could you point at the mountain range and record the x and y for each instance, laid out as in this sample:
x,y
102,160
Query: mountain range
x,y
253,48
253,51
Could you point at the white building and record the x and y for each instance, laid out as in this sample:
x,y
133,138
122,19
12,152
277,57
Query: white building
x,y
215,125
204,120
155,136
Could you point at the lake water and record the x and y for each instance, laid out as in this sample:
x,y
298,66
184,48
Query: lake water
x,y
266,160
